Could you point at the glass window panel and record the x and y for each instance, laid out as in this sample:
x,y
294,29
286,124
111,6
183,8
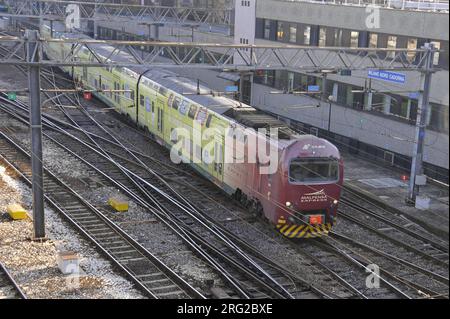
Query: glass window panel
x,y
293,33
373,40
412,45
322,37
354,39
307,35
313,171
280,32
391,44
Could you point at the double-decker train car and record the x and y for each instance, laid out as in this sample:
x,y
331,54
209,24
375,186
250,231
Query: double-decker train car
x,y
292,180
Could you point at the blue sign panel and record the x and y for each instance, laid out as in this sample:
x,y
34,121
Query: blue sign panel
x,y
232,88
387,76
414,95
313,88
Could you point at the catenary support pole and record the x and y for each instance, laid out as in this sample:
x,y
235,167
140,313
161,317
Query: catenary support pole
x,y
33,55
421,123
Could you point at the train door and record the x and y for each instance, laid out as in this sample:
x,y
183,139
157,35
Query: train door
x,y
160,118
218,157
142,110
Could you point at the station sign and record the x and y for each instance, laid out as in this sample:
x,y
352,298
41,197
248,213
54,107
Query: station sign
x,y
232,88
388,76
313,88
414,95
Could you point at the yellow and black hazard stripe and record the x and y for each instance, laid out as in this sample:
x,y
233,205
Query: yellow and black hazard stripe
x,y
302,231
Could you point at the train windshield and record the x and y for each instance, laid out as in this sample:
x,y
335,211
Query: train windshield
x,y
305,171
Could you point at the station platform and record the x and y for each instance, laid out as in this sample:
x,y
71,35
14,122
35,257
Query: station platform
x,y
388,186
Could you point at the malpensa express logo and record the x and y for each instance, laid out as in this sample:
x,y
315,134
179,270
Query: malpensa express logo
x,y
315,197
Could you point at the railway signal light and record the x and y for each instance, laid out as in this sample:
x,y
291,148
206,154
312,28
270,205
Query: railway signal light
x,y
87,96
12,96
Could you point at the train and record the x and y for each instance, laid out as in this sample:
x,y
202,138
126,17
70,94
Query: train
x,y
292,180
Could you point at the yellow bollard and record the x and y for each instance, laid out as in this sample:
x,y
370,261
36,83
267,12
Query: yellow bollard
x,y
17,212
118,205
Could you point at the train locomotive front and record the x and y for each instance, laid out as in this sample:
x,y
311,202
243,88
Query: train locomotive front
x,y
310,178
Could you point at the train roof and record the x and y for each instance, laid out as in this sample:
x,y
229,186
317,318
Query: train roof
x,y
222,105
168,79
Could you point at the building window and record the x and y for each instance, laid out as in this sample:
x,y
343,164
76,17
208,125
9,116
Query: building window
x,y
307,35
267,29
293,33
391,44
412,45
354,39
280,31
437,45
373,40
338,37
323,37
291,77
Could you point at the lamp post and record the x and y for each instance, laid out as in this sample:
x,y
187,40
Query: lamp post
x,y
331,99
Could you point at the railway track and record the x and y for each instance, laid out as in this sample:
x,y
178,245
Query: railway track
x,y
144,269
342,248
246,274
9,289
221,251
244,287
394,228
382,293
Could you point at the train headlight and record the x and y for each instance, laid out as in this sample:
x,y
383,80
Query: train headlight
x,y
288,204
335,202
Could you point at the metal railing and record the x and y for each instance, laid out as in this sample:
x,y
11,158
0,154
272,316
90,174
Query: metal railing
x,y
421,5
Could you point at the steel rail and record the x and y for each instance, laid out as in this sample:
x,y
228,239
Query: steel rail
x,y
95,238
401,228
155,202
196,214
392,239
235,238
361,260
7,281
338,251
397,260
176,228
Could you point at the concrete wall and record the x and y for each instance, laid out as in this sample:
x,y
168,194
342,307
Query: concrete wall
x,y
169,32
433,25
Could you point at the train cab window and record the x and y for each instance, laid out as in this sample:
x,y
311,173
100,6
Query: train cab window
x,y
304,171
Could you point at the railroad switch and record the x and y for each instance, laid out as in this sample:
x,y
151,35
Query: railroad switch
x,y
17,212
119,206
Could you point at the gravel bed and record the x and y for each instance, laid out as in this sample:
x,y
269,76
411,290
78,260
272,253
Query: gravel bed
x,y
138,223
156,237
34,265
258,234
